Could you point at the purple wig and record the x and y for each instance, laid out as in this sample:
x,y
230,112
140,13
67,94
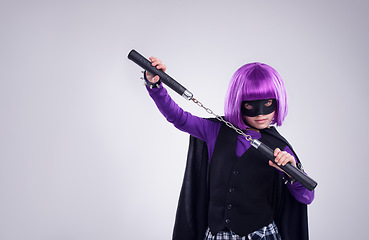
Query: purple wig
x,y
255,81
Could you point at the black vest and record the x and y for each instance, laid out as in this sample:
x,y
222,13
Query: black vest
x,y
241,189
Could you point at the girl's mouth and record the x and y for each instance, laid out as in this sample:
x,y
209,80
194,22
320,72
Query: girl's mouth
x,y
260,120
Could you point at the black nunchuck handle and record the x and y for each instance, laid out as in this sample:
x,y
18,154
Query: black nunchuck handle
x,y
165,78
294,172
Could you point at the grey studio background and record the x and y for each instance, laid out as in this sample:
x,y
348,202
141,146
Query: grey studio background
x,y
85,154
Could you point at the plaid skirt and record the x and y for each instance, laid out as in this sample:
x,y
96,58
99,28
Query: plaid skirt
x,y
269,232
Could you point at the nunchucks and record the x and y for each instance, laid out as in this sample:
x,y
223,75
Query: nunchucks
x,y
294,172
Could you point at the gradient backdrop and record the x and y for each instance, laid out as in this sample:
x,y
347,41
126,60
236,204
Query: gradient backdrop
x,y
84,153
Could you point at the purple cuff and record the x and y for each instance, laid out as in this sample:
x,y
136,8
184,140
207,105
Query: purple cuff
x,y
300,193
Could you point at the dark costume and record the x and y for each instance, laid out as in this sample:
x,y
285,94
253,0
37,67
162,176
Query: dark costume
x,y
191,222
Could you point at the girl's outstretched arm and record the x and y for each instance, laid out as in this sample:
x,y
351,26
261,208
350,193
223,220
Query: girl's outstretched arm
x,y
198,127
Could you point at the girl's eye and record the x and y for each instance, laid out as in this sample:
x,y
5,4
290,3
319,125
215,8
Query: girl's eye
x,y
269,103
248,106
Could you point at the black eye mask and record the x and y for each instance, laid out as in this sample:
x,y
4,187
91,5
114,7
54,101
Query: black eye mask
x,y
259,107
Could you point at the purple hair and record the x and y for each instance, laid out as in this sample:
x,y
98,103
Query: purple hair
x,y
255,81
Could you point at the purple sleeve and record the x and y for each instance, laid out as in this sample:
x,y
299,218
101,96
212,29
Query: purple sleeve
x,y
198,127
297,190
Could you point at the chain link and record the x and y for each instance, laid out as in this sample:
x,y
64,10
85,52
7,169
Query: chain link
x,y
220,118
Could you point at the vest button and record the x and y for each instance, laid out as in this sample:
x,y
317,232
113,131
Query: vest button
x,y
229,207
231,190
227,221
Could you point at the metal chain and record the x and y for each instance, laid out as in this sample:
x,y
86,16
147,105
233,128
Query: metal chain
x,y
208,110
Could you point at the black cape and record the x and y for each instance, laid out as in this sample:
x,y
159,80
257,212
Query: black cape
x,y
290,215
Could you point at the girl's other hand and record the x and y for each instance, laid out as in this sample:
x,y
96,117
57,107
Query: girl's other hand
x,y
159,65
282,158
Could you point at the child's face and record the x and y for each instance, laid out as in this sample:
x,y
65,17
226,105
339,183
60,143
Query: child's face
x,y
259,114
260,121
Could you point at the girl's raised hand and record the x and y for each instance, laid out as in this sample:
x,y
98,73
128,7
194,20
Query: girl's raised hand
x,y
159,65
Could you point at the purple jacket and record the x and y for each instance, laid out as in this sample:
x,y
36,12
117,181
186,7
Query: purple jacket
x,y
207,131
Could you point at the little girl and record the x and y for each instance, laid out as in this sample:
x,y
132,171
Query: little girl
x,y
236,193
